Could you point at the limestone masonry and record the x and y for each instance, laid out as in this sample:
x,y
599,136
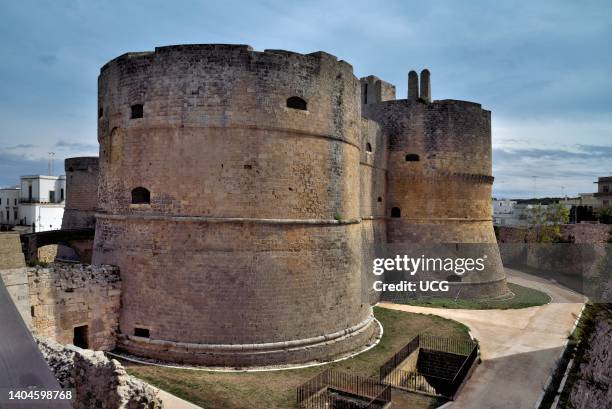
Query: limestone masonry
x,y
96,381
81,193
66,299
244,194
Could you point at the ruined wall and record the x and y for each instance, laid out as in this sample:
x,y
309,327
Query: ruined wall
x,y
13,273
98,382
251,241
571,233
592,388
439,185
65,296
81,192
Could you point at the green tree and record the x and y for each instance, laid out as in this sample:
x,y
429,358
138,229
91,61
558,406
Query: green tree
x,y
605,215
545,222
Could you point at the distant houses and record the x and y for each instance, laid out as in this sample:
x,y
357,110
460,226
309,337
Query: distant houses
x,y
583,209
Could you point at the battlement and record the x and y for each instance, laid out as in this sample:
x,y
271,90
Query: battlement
x,y
375,90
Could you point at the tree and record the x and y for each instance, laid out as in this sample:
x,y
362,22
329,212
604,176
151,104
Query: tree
x,y
605,215
545,222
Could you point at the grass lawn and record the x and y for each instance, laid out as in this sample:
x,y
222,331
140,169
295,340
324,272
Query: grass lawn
x,y
276,390
523,297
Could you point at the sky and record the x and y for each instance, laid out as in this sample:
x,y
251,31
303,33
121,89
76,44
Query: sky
x,y
541,67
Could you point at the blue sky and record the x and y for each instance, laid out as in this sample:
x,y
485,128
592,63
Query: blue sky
x,y
543,68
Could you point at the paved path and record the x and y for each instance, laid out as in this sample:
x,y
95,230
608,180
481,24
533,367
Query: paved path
x,y
519,348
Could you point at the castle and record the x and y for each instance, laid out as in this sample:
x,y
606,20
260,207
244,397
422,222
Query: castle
x,y
244,195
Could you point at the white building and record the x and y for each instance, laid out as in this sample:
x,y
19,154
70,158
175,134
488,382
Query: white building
x,y
42,201
43,189
37,204
505,212
9,206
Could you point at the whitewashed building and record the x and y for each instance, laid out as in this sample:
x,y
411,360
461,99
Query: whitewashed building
x,y
505,212
37,204
42,201
9,206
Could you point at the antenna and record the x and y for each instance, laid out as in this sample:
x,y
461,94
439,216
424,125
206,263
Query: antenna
x,y
50,166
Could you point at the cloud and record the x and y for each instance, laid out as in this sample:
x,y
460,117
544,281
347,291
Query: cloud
x,y
528,172
13,166
581,152
20,146
76,146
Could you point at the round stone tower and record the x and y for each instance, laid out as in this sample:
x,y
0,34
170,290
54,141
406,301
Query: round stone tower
x,y
439,187
81,192
229,196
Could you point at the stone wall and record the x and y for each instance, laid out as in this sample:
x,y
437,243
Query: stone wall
x,y
97,381
592,388
373,196
81,192
572,233
580,248
13,273
65,296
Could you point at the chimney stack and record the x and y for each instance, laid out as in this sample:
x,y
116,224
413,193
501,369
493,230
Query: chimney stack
x,y
425,85
413,86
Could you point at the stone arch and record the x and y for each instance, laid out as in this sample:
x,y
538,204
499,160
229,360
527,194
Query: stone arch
x,y
412,157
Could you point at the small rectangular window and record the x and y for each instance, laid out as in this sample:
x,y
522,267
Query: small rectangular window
x,y
137,111
141,332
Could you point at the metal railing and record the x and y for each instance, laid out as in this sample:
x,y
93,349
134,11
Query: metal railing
x,y
337,390
440,371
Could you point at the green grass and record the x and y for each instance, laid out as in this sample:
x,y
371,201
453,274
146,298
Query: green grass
x,y
523,297
276,390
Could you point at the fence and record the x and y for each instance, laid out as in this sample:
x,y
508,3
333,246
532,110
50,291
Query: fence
x,y
337,390
439,368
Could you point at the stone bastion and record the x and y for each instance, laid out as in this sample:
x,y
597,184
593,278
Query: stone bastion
x,y
229,198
